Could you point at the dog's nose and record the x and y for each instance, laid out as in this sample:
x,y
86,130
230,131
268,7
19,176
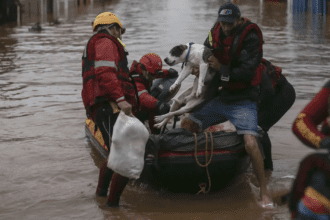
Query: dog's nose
x,y
166,60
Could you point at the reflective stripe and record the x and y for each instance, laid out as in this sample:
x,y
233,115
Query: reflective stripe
x,y
135,75
210,38
120,99
306,132
143,91
102,63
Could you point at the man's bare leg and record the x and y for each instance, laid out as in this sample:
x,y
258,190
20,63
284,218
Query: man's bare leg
x,y
251,147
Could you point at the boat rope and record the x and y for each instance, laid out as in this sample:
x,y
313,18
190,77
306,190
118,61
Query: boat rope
x,y
207,161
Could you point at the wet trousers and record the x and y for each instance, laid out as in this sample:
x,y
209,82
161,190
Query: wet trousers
x,y
105,121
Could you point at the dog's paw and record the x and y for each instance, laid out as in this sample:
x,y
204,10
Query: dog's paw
x,y
159,118
156,119
159,125
198,93
173,87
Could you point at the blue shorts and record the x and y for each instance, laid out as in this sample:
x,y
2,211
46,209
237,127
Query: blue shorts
x,y
243,115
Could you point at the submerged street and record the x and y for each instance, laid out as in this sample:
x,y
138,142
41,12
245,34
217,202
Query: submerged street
x,y
49,170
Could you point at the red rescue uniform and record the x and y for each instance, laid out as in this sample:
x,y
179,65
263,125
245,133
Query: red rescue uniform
x,y
105,74
316,112
147,102
312,199
227,49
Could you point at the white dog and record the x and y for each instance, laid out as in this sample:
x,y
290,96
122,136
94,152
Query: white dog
x,y
190,55
202,89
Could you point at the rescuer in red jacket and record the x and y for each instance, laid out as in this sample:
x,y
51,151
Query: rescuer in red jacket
x,y
315,113
106,81
310,196
144,72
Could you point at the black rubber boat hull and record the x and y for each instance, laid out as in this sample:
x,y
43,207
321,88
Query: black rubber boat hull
x,y
179,171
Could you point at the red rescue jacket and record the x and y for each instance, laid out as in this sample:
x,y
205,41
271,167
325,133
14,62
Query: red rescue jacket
x,y
141,82
301,190
316,112
228,49
305,127
105,73
147,102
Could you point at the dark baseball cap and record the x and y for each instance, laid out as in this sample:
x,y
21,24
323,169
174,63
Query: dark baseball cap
x,y
228,12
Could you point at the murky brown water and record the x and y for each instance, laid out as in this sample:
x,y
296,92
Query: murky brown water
x,y
47,168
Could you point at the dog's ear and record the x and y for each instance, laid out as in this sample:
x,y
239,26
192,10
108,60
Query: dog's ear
x,y
183,47
178,50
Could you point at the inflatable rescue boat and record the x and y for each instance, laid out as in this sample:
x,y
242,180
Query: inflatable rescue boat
x,y
180,161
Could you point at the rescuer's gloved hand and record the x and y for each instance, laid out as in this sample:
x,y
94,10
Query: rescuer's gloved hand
x,y
125,107
325,143
172,73
162,108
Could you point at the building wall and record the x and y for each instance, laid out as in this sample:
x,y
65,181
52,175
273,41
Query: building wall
x,y
47,10
8,11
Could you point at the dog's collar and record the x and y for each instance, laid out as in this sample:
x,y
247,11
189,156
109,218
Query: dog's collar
x,y
186,60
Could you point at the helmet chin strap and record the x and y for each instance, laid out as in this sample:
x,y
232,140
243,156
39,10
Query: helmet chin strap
x,y
107,28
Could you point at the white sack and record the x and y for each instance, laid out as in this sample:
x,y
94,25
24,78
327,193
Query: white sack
x,y
128,146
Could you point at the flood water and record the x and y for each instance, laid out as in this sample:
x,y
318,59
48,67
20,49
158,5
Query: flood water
x,y
48,170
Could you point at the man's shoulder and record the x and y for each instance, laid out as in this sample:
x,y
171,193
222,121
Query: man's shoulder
x,y
253,27
252,36
105,42
251,31
248,21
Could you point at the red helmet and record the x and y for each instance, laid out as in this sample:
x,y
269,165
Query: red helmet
x,y
152,62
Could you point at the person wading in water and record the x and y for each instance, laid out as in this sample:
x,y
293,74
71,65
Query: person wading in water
x,y
107,85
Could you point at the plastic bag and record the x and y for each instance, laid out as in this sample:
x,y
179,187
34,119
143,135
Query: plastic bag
x,y
128,146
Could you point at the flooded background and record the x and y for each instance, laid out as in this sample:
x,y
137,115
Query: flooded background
x,y
48,170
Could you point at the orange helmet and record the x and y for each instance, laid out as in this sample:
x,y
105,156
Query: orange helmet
x,y
152,62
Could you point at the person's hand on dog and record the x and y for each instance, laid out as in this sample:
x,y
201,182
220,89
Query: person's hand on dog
x,y
126,107
214,63
195,71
